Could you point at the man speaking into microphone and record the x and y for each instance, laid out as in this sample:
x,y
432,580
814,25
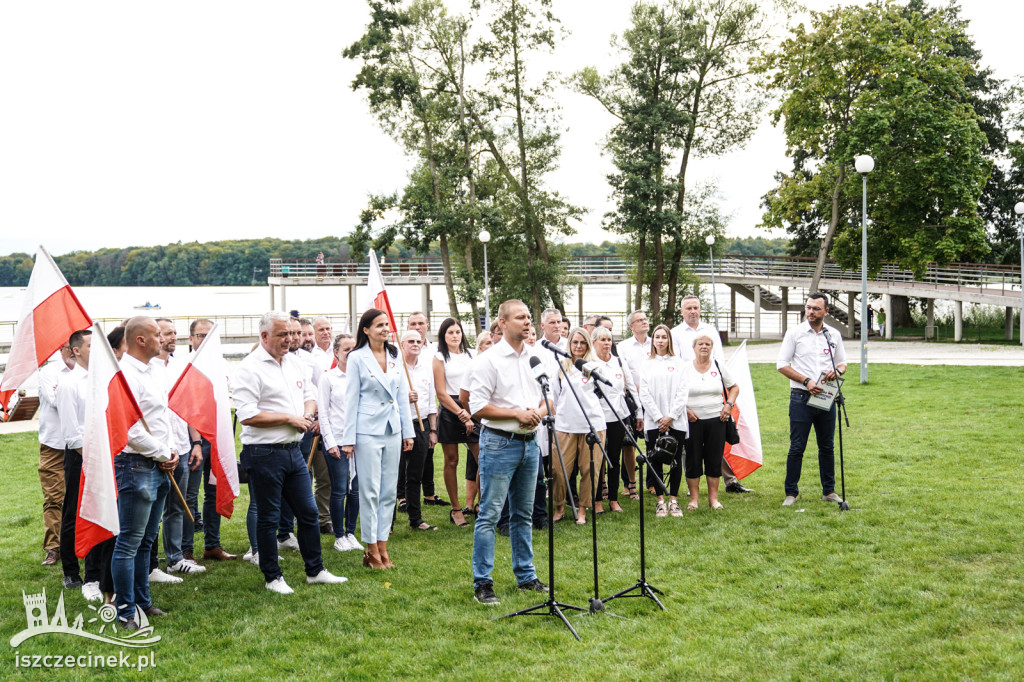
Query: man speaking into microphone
x,y
505,396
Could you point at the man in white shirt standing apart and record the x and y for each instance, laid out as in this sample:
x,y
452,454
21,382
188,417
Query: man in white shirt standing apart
x,y
142,484
275,403
808,352
506,397
683,336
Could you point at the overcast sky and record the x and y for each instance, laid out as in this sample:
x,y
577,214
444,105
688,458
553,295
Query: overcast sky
x,y
139,123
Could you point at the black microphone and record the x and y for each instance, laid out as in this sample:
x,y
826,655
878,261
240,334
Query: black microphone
x,y
589,369
553,348
539,372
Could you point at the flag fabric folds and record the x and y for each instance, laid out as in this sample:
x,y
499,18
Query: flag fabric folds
x,y
378,296
50,314
746,456
110,410
200,397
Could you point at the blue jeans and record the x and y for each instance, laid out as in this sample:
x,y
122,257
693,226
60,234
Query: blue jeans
x,y
801,418
250,518
174,515
278,474
343,503
508,467
141,490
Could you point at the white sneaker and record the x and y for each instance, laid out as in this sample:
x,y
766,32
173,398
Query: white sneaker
x,y
291,543
342,545
279,586
186,566
255,559
248,555
353,543
788,502
325,577
91,592
158,576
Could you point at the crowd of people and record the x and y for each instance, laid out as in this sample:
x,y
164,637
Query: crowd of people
x,y
340,430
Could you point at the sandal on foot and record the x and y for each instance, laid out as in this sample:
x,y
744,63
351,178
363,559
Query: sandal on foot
x,y
633,494
692,506
716,505
673,508
661,509
451,517
423,525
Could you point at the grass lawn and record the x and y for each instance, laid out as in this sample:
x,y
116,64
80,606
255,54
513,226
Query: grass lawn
x,y
922,579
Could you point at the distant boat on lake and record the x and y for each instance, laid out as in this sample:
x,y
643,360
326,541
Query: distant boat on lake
x,y
148,306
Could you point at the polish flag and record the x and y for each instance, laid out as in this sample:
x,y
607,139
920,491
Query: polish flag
x,y
200,397
744,457
50,314
378,296
110,410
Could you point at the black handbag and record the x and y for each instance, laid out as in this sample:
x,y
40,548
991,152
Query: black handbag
x,y
732,433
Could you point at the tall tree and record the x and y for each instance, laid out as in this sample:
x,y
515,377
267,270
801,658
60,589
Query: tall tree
x,y
884,81
684,91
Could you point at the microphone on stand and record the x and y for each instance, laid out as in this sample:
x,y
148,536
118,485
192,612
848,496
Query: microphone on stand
x,y
590,369
553,348
539,372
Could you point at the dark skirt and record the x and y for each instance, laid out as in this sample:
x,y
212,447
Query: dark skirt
x,y
450,428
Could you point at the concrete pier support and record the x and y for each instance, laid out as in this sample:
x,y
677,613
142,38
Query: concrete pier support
x,y
271,297
732,310
929,329
757,311
425,300
284,299
629,300
958,320
353,307
579,303
1009,323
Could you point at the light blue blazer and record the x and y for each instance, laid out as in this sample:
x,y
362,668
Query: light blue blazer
x,y
375,399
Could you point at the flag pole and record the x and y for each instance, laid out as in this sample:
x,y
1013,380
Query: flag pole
x,y
312,451
174,484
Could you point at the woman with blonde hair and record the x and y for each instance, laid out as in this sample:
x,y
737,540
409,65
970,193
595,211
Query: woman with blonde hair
x,y
571,424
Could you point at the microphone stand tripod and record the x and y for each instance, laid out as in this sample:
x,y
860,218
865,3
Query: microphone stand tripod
x,y
596,605
644,588
550,607
840,416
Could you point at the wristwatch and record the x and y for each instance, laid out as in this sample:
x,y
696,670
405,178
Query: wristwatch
x,y
730,403
806,381
197,442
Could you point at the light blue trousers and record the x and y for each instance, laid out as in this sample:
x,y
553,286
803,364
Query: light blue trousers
x,y
377,460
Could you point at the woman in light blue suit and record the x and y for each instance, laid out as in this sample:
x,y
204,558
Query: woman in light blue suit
x,y
378,426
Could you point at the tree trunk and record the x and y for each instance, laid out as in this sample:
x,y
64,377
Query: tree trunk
x,y
449,285
901,316
469,179
819,266
641,258
469,269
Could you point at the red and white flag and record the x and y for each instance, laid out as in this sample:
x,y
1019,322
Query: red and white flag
x,y
200,397
50,314
745,456
378,296
110,410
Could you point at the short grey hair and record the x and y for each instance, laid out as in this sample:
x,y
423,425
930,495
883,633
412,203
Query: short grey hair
x,y
632,316
600,333
411,334
270,317
703,335
548,313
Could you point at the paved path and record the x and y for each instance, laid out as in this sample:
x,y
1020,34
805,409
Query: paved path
x,y
909,353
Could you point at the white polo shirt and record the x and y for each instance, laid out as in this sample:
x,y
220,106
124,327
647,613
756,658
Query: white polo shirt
x,y
151,394
71,406
683,336
50,377
263,385
503,378
808,351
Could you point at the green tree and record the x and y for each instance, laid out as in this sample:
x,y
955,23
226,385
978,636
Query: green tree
x,y
884,81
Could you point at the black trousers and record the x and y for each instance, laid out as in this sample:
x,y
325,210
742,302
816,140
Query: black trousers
x,y
615,436
676,472
705,447
68,519
410,468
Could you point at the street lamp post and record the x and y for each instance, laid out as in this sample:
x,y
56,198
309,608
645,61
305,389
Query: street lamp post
x,y
485,237
710,241
864,165
1019,210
